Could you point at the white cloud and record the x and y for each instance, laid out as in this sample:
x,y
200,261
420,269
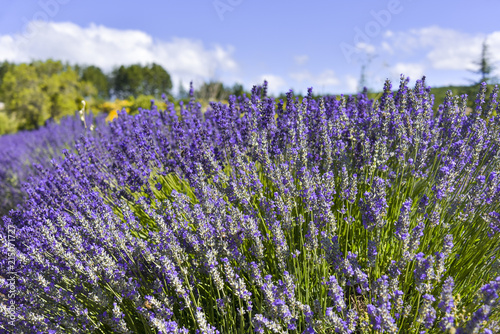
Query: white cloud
x,y
493,41
445,49
183,58
301,76
386,47
351,84
325,78
301,59
443,55
275,83
413,70
8,46
366,48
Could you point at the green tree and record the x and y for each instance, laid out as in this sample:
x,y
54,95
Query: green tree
x,y
127,81
237,89
35,92
156,80
4,67
25,99
98,79
485,65
135,80
7,125
213,90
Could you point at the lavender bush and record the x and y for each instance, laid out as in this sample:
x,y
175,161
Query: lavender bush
x,y
336,215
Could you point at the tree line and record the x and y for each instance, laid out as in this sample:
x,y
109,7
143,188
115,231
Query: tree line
x,y
34,92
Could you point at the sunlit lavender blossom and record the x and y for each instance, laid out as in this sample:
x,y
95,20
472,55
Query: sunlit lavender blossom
x,y
447,305
427,313
335,292
424,273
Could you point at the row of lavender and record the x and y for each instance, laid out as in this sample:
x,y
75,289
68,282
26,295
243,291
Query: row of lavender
x,y
22,152
326,215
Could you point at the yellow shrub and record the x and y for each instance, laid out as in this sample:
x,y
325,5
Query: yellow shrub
x,y
111,108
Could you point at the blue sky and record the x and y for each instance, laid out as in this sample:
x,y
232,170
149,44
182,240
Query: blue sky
x,y
292,44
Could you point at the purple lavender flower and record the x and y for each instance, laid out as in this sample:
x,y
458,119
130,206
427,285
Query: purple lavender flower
x,y
490,298
403,223
336,293
447,304
424,273
372,253
374,205
427,312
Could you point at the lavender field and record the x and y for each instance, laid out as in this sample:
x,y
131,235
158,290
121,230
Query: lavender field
x,y
315,215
